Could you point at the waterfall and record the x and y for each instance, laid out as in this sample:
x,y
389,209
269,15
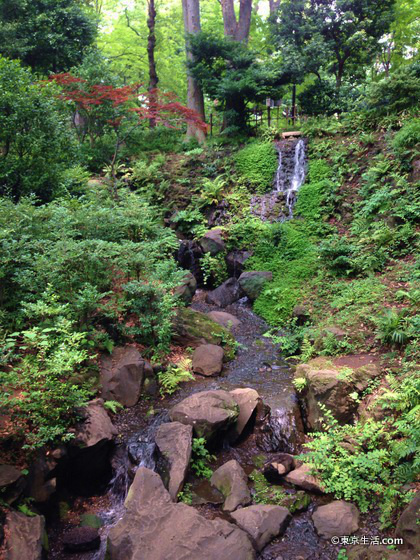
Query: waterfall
x,y
297,178
278,204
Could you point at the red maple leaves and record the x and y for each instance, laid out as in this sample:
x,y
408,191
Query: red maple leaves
x,y
118,103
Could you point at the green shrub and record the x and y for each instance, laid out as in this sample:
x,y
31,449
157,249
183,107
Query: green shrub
x,y
406,142
36,144
258,163
200,458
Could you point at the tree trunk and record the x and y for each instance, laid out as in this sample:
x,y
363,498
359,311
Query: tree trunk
x,y
274,6
238,30
151,44
191,11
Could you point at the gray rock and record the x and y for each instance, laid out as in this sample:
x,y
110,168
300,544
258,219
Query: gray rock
x,y
236,262
224,319
174,443
212,242
97,425
408,526
226,294
155,528
122,375
24,536
278,466
253,281
262,522
12,483
208,412
230,479
207,359
302,478
187,289
247,401
335,519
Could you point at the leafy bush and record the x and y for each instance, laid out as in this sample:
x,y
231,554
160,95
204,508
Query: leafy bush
x,y
258,163
406,142
36,144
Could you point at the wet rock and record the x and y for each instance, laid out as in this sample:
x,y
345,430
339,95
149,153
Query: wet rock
x,y
235,262
122,374
207,359
333,387
12,483
187,289
247,401
262,522
227,320
252,282
230,479
188,256
298,502
81,539
408,526
226,294
335,519
208,412
91,520
155,528
363,552
278,466
174,443
97,425
192,328
302,478
212,242
24,536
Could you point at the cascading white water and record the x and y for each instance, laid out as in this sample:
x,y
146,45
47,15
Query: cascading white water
x,y
298,176
290,175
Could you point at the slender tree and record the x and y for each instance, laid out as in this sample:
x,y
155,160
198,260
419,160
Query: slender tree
x,y
238,29
195,99
151,45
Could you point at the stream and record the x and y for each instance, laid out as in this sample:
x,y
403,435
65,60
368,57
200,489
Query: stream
x,y
259,365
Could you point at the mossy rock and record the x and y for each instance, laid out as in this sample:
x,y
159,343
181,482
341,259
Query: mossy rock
x,y
91,520
298,502
192,328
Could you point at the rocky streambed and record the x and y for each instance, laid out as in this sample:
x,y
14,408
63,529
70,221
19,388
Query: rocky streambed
x,y
117,494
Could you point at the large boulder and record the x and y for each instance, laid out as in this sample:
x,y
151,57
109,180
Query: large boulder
x,y
174,443
332,387
122,374
155,528
212,242
262,522
253,281
24,536
192,328
226,294
230,479
40,483
302,478
247,400
408,526
208,412
207,359
97,425
86,466
227,320
335,519
235,261
187,289
12,483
